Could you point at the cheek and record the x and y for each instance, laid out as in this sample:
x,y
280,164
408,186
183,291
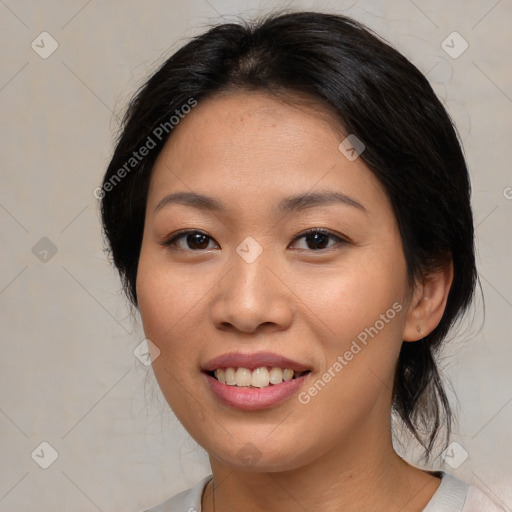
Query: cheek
x,y
357,313
349,299
358,321
166,301
167,294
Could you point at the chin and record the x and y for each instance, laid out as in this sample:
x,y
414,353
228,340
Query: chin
x,y
261,457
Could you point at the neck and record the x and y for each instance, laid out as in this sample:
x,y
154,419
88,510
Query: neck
x,y
359,472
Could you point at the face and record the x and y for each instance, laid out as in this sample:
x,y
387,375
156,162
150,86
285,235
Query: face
x,y
266,249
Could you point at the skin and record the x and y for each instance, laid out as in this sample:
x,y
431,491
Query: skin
x,y
250,150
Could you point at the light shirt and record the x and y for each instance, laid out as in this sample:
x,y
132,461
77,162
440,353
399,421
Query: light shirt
x,y
453,495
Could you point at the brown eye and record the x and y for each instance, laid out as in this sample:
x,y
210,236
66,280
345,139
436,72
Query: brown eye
x,y
197,241
190,240
319,239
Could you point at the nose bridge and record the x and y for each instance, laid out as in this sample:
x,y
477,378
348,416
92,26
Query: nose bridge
x,y
251,295
250,287
250,278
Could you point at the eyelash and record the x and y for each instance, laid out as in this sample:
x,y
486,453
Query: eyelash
x,y
171,241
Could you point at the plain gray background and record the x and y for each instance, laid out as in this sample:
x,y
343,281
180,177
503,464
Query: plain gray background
x,y
68,372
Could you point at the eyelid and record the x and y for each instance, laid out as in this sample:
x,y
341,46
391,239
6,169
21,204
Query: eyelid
x,y
171,239
340,239
337,236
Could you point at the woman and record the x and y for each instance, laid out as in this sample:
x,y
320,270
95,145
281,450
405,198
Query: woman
x,y
288,207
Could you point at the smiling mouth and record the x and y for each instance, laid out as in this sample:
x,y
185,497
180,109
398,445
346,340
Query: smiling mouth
x,y
258,378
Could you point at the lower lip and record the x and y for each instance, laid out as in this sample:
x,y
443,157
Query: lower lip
x,y
251,399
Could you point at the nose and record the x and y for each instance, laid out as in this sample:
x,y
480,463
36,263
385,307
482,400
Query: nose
x,y
252,298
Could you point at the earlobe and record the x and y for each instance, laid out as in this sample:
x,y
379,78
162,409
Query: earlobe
x,y
428,303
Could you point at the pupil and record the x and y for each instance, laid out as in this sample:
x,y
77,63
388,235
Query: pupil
x,y
197,241
319,241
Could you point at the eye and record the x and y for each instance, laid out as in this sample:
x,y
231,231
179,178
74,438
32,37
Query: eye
x,y
319,239
190,240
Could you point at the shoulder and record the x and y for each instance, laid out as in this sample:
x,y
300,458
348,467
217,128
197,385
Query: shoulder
x,y
477,501
454,495
185,501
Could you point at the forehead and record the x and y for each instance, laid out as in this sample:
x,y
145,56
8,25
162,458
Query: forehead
x,y
251,145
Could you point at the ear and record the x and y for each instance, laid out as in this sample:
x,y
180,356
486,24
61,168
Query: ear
x,y
428,303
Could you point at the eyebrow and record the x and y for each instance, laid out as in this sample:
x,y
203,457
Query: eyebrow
x,y
310,199
286,206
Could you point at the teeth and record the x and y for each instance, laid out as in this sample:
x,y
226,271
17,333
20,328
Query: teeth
x,y
221,375
243,377
258,378
276,376
288,374
230,376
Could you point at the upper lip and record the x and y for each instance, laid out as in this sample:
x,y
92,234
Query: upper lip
x,y
253,361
